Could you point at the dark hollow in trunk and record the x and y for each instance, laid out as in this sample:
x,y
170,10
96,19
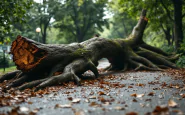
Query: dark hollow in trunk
x,y
42,65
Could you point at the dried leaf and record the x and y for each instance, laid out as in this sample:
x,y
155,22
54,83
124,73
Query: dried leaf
x,y
178,112
102,99
142,105
24,109
134,100
63,106
94,104
130,86
172,103
87,101
134,95
160,109
101,93
140,84
132,113
80,112
35,110
151,94
119,108
70,98
182,95
92,97
77,100
30,102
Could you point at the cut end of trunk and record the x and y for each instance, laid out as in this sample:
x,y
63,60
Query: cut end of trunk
x,y
26,55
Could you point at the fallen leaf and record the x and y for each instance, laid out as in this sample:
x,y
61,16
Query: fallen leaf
x,y
137,95
142,105
77,100
24,109
134,100
182,95
63,106
35,110
102,99
140,84
140,95
148,100
132,113
101,93
151,94
87,101
79,112
178,112
172,103
70,98
119,108
30,102
94,104
130,86
92,97
134,95
160,109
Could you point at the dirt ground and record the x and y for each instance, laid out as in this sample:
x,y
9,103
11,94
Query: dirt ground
x,y
115,93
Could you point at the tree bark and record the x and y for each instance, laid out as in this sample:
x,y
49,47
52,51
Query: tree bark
x,y
39,64
178,32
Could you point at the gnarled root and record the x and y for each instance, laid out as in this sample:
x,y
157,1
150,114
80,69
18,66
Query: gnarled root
x,y
70,72
8,76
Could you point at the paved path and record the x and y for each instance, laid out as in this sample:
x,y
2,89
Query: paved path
x,y
112,94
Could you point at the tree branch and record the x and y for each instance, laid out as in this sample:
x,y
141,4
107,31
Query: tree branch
x,y
162,27
167,10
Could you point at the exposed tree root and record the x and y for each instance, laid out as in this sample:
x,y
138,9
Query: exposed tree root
x,y
42,65
9,75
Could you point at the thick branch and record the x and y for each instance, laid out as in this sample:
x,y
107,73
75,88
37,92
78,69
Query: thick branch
x,y
138,30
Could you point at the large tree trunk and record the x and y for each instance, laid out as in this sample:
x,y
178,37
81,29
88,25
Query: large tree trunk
x,y
43,65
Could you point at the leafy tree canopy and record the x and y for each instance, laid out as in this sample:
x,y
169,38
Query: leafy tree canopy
x,y
12,11
79,20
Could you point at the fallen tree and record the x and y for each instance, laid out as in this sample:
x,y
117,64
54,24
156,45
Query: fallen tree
x,y
41,65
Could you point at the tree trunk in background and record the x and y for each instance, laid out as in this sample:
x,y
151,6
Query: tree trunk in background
x,y
168,36
178,32
44,37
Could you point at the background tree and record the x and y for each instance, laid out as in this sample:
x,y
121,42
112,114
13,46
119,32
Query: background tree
x,y
177,20
161,15
46,10
12,11
82,18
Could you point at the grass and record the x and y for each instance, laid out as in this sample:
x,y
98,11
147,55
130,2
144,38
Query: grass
x,y
12,68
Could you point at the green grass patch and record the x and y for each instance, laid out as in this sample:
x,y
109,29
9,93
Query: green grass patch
x,y
12,68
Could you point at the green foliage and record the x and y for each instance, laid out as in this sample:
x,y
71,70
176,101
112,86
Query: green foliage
x,y
168,49
182,48
121,25
81,20
181,61
160,14
11,12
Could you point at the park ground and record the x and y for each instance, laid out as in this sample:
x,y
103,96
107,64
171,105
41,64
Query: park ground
x,y
113,93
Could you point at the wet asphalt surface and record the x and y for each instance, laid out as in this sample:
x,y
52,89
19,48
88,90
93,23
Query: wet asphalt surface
x,y
119,93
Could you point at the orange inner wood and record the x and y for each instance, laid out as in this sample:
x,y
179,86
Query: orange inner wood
x,y
25,54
